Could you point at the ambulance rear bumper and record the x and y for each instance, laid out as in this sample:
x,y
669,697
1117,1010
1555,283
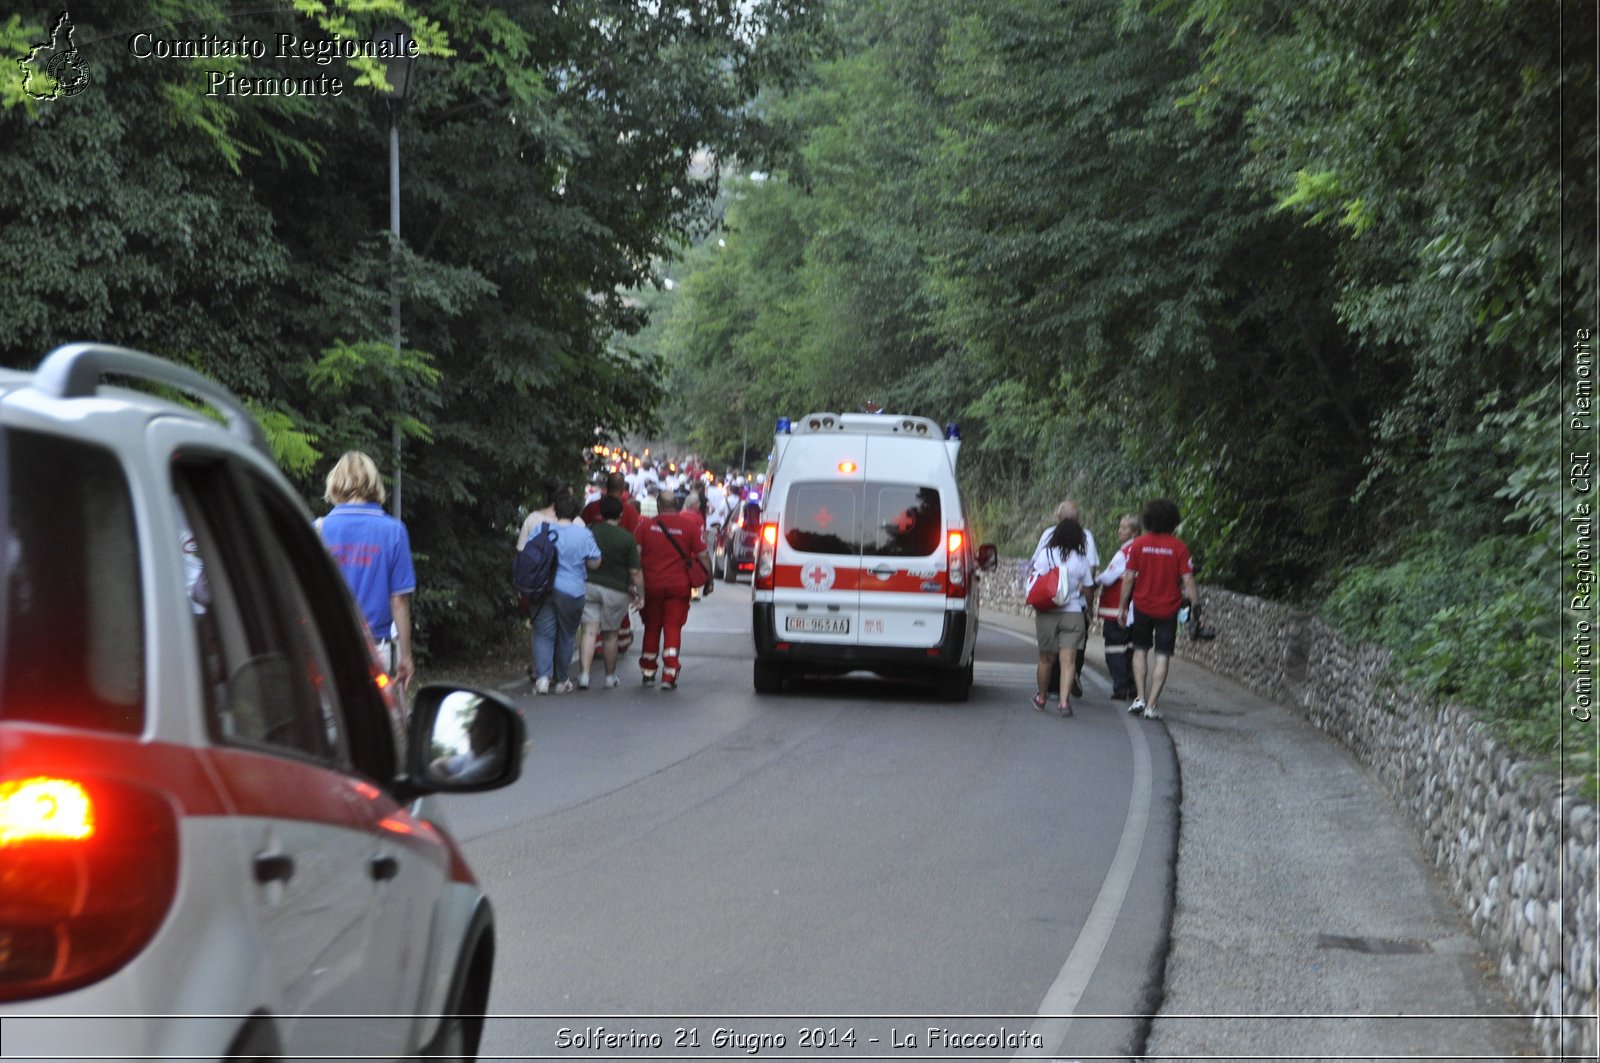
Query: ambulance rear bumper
x,y
788,648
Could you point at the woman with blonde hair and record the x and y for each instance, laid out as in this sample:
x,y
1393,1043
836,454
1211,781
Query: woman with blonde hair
x,y
373,551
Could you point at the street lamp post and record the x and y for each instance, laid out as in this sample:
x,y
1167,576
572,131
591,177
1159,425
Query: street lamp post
x,y
398,72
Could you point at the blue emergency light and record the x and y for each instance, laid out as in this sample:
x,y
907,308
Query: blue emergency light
x,y
952,431
784,425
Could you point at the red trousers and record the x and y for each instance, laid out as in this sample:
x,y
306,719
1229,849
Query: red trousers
x,y
663,616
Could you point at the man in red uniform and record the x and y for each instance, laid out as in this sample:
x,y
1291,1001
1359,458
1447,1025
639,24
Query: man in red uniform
x,y
1159,573
616,484
673,553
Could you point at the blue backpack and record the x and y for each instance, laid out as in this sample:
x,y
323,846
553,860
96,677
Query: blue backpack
x,y
533,570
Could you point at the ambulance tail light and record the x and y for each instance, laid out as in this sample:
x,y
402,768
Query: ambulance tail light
x,y
88,872
957,584
765,578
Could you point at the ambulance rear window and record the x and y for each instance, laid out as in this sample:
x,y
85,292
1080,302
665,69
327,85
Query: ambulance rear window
x,y
904,521
876,519
822,518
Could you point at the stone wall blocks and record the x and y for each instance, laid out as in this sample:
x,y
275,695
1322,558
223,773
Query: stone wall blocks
x,y
1492,823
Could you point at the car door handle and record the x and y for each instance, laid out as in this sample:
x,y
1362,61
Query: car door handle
x,y
383,868
274,867
883,572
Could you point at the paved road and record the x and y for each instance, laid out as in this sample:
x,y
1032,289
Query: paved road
x,y
862,850
855,857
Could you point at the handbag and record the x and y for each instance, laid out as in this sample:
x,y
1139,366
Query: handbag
x,y
1049,591
691,564
1042,591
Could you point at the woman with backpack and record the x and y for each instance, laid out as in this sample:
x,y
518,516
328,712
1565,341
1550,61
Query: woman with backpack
x,y
557,615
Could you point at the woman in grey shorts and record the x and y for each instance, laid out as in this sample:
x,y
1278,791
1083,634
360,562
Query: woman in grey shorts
x,y
1062,631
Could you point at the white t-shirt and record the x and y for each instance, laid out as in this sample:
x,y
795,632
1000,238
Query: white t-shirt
x,y
1075,572
1089,550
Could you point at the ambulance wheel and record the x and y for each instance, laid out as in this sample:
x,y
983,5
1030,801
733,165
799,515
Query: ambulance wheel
x,y
956,684
769,677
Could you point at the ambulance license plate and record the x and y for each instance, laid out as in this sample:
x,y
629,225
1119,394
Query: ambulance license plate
x,y
818,625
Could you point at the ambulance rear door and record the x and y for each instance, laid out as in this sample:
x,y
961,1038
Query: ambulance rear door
x,y
905,506
817,595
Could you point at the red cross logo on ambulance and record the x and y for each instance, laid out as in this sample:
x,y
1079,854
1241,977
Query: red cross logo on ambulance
x,y
817,577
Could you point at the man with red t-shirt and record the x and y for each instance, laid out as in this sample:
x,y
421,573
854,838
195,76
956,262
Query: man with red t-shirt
x,y
1159,573
616,484
671,546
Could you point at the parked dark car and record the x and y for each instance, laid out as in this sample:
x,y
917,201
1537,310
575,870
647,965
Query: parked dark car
x,y
736,547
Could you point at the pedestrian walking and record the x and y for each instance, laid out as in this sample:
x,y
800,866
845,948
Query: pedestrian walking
x,y
555,624
616,584
1068,510
1063,631
373,550
1109,610
617,487
1159,573
673,555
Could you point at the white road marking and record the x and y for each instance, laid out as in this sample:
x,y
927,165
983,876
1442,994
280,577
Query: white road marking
x,y
1061,1000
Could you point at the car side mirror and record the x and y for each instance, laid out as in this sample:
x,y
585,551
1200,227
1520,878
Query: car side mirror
x,y
988,558
461,740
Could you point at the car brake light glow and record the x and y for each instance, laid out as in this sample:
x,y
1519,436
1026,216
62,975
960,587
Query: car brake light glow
x,y
848,467
88,872
43,809
955,564
766,563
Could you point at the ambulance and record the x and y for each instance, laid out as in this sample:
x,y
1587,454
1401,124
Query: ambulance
x,y
865,559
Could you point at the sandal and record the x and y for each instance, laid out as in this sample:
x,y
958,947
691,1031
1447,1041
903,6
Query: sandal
x,y
1038,702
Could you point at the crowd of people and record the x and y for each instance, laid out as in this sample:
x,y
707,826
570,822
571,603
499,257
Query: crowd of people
x,y
643,542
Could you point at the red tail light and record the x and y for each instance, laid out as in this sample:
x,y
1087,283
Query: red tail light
x,y
766,557
956,583
88,871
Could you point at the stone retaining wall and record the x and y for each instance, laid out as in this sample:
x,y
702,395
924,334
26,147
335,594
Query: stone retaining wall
x,y
1517,854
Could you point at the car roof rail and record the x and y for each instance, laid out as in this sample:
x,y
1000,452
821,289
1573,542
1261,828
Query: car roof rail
x,y
75,370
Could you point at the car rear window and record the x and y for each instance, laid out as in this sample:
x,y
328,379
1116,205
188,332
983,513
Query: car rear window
x,y
72,623
876,519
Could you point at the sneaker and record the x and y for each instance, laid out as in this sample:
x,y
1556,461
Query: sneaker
x,y
563,687
583,680
1077,687
541,685
649,679
1038,702
669,684
613,681
1064,709
1151,714
1137,708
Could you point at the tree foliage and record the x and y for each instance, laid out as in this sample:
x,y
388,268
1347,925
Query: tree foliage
x,y
550,155
1300,267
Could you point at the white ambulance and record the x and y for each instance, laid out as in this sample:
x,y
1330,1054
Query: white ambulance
x,y
865,559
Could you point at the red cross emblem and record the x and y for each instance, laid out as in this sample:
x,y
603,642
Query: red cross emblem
x,y
905,522
823,517
817,577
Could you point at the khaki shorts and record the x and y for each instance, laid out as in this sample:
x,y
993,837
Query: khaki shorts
x,y
604,606
1061,631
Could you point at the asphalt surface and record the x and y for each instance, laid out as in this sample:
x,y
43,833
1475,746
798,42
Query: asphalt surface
x,y
1306,922
855,850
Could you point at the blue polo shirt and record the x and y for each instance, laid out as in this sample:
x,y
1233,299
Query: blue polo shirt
x,y
374,553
